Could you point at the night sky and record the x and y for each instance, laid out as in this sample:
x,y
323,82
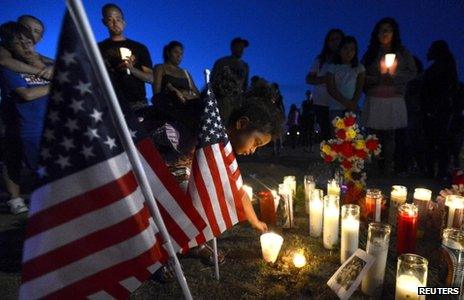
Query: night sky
x,y
285,35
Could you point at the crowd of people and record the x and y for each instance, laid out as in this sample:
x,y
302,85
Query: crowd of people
x,y
417,114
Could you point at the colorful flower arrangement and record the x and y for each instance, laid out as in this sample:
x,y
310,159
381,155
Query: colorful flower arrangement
x,y
350,149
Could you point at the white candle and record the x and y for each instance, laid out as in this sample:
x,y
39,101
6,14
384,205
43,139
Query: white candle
x,y
316,207
290,181
422,194
406,288
276,199
126,53
399,194
373,281
331,221
389,59
249,190
333,188
270,246
421,200
309,186
350,237
454,202
286,195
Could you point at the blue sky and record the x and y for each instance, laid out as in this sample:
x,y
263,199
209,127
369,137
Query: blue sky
x,y
284,35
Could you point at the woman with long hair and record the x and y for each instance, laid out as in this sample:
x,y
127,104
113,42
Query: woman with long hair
x,y
440,81
316,77
385,108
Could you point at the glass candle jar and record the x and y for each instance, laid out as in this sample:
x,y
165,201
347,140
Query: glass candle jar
x,y
350,231
267,207
398,195
411,273
331,221
422,199
453,246
378,238
309,186
454,205
374,205
316,208
406,229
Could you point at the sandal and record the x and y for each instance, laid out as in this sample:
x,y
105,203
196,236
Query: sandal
x,y
163,275
206,255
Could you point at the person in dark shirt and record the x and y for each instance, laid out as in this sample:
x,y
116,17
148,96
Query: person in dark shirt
x,y
307,121
129,71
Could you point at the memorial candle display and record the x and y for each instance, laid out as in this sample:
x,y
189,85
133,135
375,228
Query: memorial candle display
x,y
286,195
378,238
331,221
406,229
374,205
398,195
309,186
422,201
316,208
125,55
455,208
333,188
270,246
267,207
350,231
290,181
411,273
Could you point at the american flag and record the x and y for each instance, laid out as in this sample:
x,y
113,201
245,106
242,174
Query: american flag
x,y
90,232
215,184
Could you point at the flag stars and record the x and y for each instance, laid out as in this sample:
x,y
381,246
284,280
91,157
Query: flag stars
x,y
87,152
63,161
71,124
49,134
207,138
68,58
62,76
67,143
92,133
97,116
57,96
76,105
53,116
110,142
83,87
133,133
208,121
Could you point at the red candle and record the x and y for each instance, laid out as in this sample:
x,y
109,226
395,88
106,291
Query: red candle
x,y
406,229
267,207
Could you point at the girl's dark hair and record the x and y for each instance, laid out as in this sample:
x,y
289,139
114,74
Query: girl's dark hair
x,y
264,116
108,6
23,17
374,45
347,40
168,48
10,30
326,50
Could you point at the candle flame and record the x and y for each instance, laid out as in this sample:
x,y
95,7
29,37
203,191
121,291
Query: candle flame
x,y
299,260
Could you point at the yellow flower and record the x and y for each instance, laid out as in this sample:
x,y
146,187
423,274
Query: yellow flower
x,y
326,149
339,124
359,144
351,134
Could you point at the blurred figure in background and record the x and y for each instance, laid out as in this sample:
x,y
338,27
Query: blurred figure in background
x,y
307,122
293,125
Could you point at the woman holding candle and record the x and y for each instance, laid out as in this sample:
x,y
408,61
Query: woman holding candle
x,y
385,108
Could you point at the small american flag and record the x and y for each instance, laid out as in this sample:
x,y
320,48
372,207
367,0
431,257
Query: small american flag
x,y
215,184
90,233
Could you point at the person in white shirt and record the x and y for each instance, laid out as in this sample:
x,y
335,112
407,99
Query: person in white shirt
x,y
345,78
316,77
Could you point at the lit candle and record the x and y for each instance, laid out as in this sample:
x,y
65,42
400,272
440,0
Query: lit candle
x,y
290,181
125,55
331,221
309,186
455,207
299,260
406,229
270,246
316,207
453,244
350,231
389,59
374,205
249,191
286,195
333,188
410,275
422,201
267,207
378,238
398,195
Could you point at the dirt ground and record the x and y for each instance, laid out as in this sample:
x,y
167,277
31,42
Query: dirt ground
x,y
244,275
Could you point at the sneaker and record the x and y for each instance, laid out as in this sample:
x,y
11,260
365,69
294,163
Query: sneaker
x,y
17,206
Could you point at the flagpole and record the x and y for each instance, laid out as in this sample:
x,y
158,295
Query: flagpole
x,y
216,260
79,16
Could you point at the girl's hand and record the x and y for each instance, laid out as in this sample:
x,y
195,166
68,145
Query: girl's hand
x,y
260,226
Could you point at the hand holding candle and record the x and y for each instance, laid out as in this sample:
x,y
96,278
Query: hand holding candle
x,y
125,55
